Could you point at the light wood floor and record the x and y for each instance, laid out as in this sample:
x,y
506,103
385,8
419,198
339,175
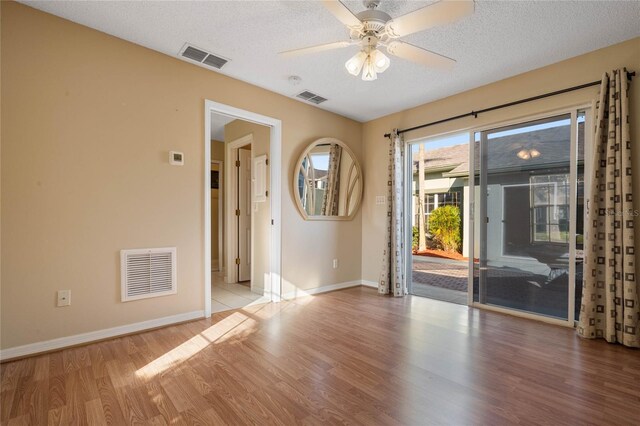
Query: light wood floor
x,y
349,356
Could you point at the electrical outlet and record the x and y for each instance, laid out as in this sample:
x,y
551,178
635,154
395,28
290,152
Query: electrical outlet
x,y
64,297
335,263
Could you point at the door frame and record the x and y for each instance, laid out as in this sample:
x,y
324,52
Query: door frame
x,y
221,212
273,285
231,230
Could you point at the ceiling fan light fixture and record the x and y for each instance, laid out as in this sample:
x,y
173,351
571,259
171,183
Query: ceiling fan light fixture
x,y
373,29
369,70
354,65
369,63
380,61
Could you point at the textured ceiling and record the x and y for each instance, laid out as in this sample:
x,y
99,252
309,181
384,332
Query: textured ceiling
x,y
499,40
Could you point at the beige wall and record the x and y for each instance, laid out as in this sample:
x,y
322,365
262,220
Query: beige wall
x,y
578,70
88,123
217,150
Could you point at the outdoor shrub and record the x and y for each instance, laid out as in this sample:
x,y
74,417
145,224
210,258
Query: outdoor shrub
x,y
444,224
415,241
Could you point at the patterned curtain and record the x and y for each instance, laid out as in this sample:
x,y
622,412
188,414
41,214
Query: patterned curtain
x,y
392,279
610,307
331,193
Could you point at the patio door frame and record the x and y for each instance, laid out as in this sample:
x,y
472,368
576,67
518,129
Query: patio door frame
x,y
573,111
471,221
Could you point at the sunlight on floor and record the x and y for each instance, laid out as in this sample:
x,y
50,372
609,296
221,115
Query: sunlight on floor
x,y
236,325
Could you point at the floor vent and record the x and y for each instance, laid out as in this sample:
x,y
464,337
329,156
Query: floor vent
x,y
148,273
202,57
311,97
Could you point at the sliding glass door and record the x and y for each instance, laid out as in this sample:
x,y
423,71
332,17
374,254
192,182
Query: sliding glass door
x,y
529,189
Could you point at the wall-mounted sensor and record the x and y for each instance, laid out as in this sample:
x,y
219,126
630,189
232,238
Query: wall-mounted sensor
x,y
176,158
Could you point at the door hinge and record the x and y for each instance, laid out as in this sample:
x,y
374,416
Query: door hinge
x,y
237,163
272,222
266,194
237,212
267,161
237,260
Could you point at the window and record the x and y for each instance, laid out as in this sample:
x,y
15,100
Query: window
x,y
449,199
550,208
433,201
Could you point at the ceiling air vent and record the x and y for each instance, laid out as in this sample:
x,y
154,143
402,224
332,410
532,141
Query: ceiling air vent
x,y
147,273
202,57
311,97
214,61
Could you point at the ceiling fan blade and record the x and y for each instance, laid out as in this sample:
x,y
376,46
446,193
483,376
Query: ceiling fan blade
x,y
341,12
314,49
419,55
443,12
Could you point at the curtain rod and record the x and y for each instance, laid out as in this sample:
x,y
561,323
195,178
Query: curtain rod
x,y
474,114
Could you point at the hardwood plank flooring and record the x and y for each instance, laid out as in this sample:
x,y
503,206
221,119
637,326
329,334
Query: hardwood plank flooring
x,y
348,357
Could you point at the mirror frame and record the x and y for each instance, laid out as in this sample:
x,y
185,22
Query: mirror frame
x,y
359,184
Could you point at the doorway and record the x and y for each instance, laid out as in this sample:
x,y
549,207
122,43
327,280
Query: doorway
x,y
439,206
264,245
518,189
246,230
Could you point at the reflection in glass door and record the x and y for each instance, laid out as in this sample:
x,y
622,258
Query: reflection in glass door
x,y
529,187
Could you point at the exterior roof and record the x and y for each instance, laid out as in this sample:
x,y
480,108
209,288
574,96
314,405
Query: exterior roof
x,y
442,158
552,143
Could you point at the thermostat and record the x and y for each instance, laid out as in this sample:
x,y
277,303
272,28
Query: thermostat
x,y
176,158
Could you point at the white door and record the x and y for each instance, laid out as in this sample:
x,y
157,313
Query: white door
x,y
244,218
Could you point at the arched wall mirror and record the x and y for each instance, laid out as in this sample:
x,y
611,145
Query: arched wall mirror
x,y
327,181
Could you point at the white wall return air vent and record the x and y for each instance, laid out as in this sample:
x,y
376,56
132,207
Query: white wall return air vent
x,y
202,57
148,273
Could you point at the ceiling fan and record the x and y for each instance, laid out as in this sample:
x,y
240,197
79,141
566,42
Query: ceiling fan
x,y
372,29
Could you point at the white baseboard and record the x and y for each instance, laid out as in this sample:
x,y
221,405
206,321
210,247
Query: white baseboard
x,y
372,284
301,293
63,342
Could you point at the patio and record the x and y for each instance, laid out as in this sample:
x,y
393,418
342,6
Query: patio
x,y
440,279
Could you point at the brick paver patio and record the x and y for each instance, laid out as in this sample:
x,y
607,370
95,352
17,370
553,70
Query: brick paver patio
x,y
452,276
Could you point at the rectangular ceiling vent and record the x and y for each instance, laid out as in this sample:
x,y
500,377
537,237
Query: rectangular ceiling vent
x,y
311,97
202,57
148,273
